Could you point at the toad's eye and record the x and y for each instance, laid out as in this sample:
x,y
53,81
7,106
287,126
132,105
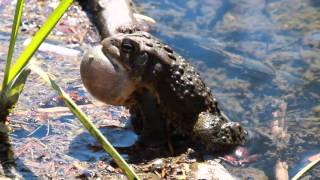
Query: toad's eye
x,y
127,47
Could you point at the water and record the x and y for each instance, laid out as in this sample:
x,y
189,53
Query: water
x,y
258,56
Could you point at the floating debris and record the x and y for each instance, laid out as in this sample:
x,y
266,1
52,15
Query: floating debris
x,y
55,49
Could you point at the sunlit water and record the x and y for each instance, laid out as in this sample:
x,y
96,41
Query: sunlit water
x,y
262,61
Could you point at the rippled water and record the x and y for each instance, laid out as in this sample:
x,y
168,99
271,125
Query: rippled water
x,y
261,59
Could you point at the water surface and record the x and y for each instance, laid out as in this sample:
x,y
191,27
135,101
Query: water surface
x,y
261,59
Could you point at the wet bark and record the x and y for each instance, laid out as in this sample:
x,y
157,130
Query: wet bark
x,y
111,16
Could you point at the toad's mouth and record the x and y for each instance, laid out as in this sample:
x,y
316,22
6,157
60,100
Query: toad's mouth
x,y
112,54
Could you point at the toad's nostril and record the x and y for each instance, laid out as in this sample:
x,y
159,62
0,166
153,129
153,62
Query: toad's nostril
x,y
91,57
113,42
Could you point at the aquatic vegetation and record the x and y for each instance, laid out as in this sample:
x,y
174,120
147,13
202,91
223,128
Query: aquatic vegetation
x,y
307,168
9,94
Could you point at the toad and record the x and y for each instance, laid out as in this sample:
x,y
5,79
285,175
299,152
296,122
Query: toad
x,y
162,89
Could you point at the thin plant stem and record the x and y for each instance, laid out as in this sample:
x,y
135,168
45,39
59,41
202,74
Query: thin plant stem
x,y
306,169
14,34
87,123
39,37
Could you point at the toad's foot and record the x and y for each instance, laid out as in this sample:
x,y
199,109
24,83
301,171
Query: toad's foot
x,y
216,133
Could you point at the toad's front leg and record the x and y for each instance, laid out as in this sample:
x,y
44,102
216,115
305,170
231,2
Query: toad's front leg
x,y
147,122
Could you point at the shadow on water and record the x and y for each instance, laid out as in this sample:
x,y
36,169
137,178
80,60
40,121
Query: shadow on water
x,y
40,132
315,3
24,170
85,148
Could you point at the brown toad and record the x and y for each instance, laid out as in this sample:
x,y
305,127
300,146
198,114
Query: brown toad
x,y
162,81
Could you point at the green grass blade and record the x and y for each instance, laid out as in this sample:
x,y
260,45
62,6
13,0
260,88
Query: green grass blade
x,y
14,33
84,119
39,37
306,169
15,88
10,95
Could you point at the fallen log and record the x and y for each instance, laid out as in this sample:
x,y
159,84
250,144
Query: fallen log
x,y
111,16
